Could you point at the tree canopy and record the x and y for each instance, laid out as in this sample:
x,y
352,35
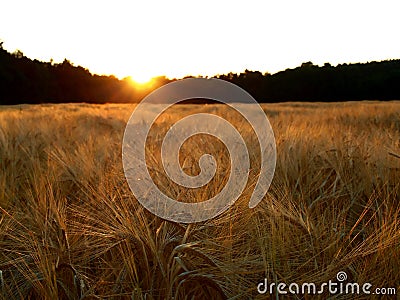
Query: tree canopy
x,y
23,80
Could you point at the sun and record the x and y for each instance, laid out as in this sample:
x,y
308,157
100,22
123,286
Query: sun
x,y
141,82
141,79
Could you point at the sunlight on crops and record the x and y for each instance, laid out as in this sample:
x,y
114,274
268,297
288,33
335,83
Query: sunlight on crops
x,y
70,227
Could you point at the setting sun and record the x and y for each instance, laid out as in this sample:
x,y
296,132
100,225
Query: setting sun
x,y
141,82
141,79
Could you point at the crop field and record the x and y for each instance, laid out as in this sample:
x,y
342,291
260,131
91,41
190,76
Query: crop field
x,y
70,227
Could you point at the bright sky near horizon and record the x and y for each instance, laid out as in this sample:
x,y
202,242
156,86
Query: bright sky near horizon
x,y
143,39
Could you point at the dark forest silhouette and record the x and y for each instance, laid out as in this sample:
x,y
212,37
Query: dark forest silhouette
x,y
23,80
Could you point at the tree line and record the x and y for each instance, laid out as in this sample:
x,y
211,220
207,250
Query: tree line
x,y
23,80
309,82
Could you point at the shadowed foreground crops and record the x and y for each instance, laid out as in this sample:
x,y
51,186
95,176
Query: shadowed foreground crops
x,y
70,228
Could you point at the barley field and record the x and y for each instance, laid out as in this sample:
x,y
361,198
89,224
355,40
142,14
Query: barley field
x,y
70,228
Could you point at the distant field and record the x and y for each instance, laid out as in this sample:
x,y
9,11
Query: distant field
x,y
70,228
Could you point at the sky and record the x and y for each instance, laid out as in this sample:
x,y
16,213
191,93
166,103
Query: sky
x,y
143,39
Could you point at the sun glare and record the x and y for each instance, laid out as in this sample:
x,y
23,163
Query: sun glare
x,y
141,82
141,79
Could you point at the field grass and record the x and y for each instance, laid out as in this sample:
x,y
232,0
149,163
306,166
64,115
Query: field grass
x,y
70,228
